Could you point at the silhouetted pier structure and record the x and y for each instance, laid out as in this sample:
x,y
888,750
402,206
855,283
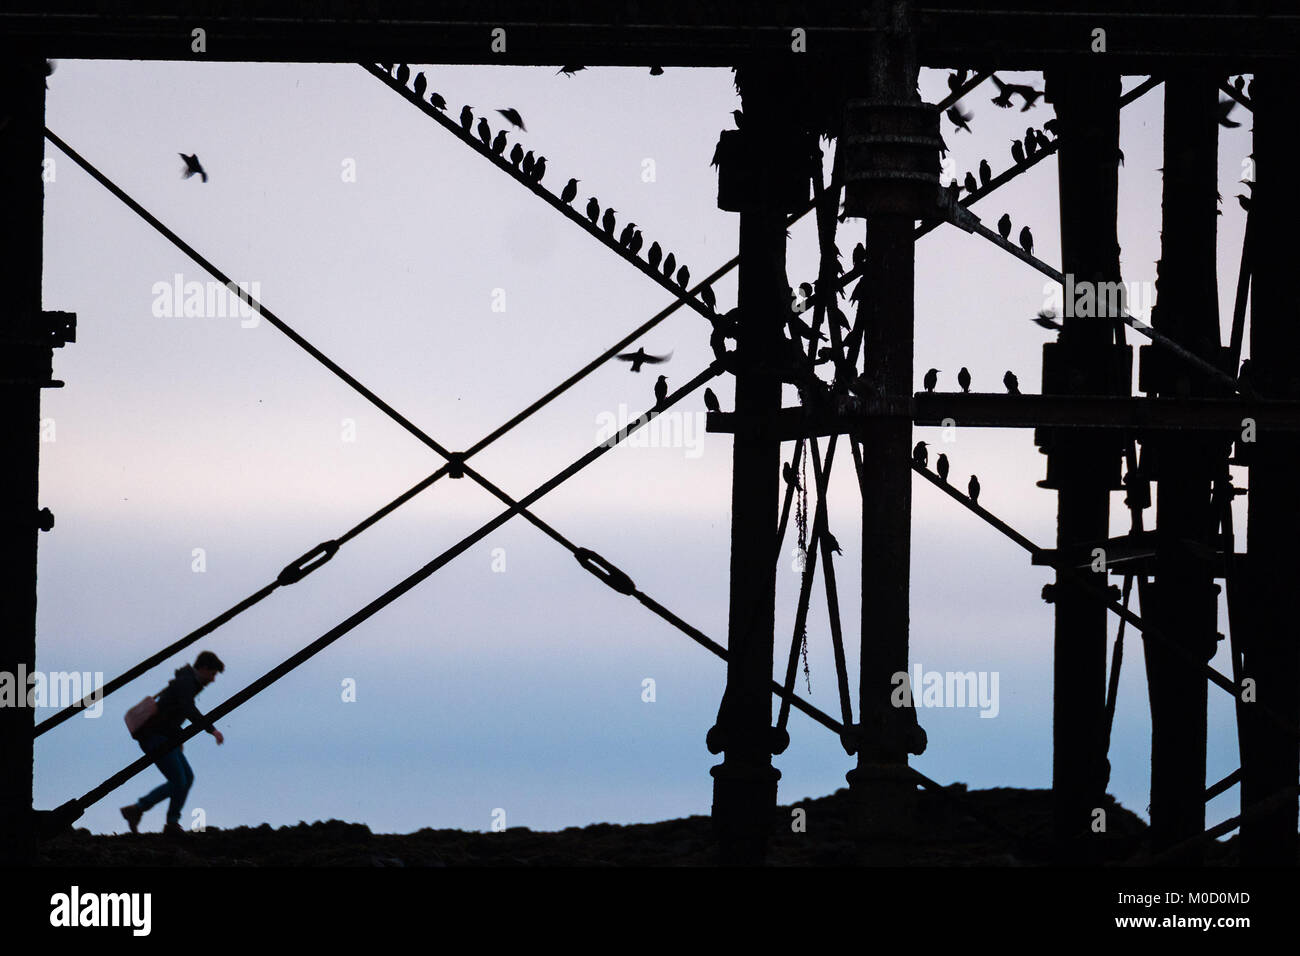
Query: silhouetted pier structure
x,y
851,74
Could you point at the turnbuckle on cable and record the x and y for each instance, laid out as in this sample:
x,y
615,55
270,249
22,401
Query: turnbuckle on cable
x,y
297,570
602,569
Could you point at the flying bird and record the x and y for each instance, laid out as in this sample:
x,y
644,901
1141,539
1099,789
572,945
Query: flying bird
x,y
1027,240
963,379
711,401
1010,381
192,166
931,379
515,119
1028,94
661,390
642,357
1004,226
974,489
1047,319
986,174
607,220
959,118
466,118
593,210
570,191
920,457
1003,99
955,80
942,466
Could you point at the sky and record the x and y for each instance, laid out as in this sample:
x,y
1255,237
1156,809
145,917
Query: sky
x,y
191,457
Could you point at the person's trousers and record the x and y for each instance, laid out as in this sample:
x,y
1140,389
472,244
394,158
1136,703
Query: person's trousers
x,y
175,768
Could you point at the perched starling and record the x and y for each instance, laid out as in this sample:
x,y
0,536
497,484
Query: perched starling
x,y
499,143
569,70
654,255
656,71
1244,200
706,293
607,221
788,474
1239,84
1018,152
683,277
403,73
527,164
931,379
670,265
859,256
959,118
942,467
466,118
711,401
963,379
738,116
516,154
539,169
1050,126
1027,240
570,191
421,84
484,132
634,246
986,174
1031,143
625,237
661,390
641,357
1004,226
515,119
974,489
437,101
920,457
831,542
1010,381
593,210
193,166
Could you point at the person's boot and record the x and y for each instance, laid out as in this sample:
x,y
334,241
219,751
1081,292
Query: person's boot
x,y
132,815
173,830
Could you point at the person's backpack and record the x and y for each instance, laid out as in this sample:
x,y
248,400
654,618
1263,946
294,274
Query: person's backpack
x,y
140,714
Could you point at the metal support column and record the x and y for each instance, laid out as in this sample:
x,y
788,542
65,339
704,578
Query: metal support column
x,y
1184,465
1271,645
1089,358
22,148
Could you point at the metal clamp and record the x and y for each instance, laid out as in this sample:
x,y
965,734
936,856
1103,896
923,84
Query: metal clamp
x,y
456,465
602,569
295,572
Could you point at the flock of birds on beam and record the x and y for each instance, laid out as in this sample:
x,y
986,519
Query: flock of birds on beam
x,y
921,459
534,168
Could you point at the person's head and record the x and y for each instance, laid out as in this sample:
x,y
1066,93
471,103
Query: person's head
x,y
208,666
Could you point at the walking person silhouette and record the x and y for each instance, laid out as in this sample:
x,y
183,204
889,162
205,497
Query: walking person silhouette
x,y
159,738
